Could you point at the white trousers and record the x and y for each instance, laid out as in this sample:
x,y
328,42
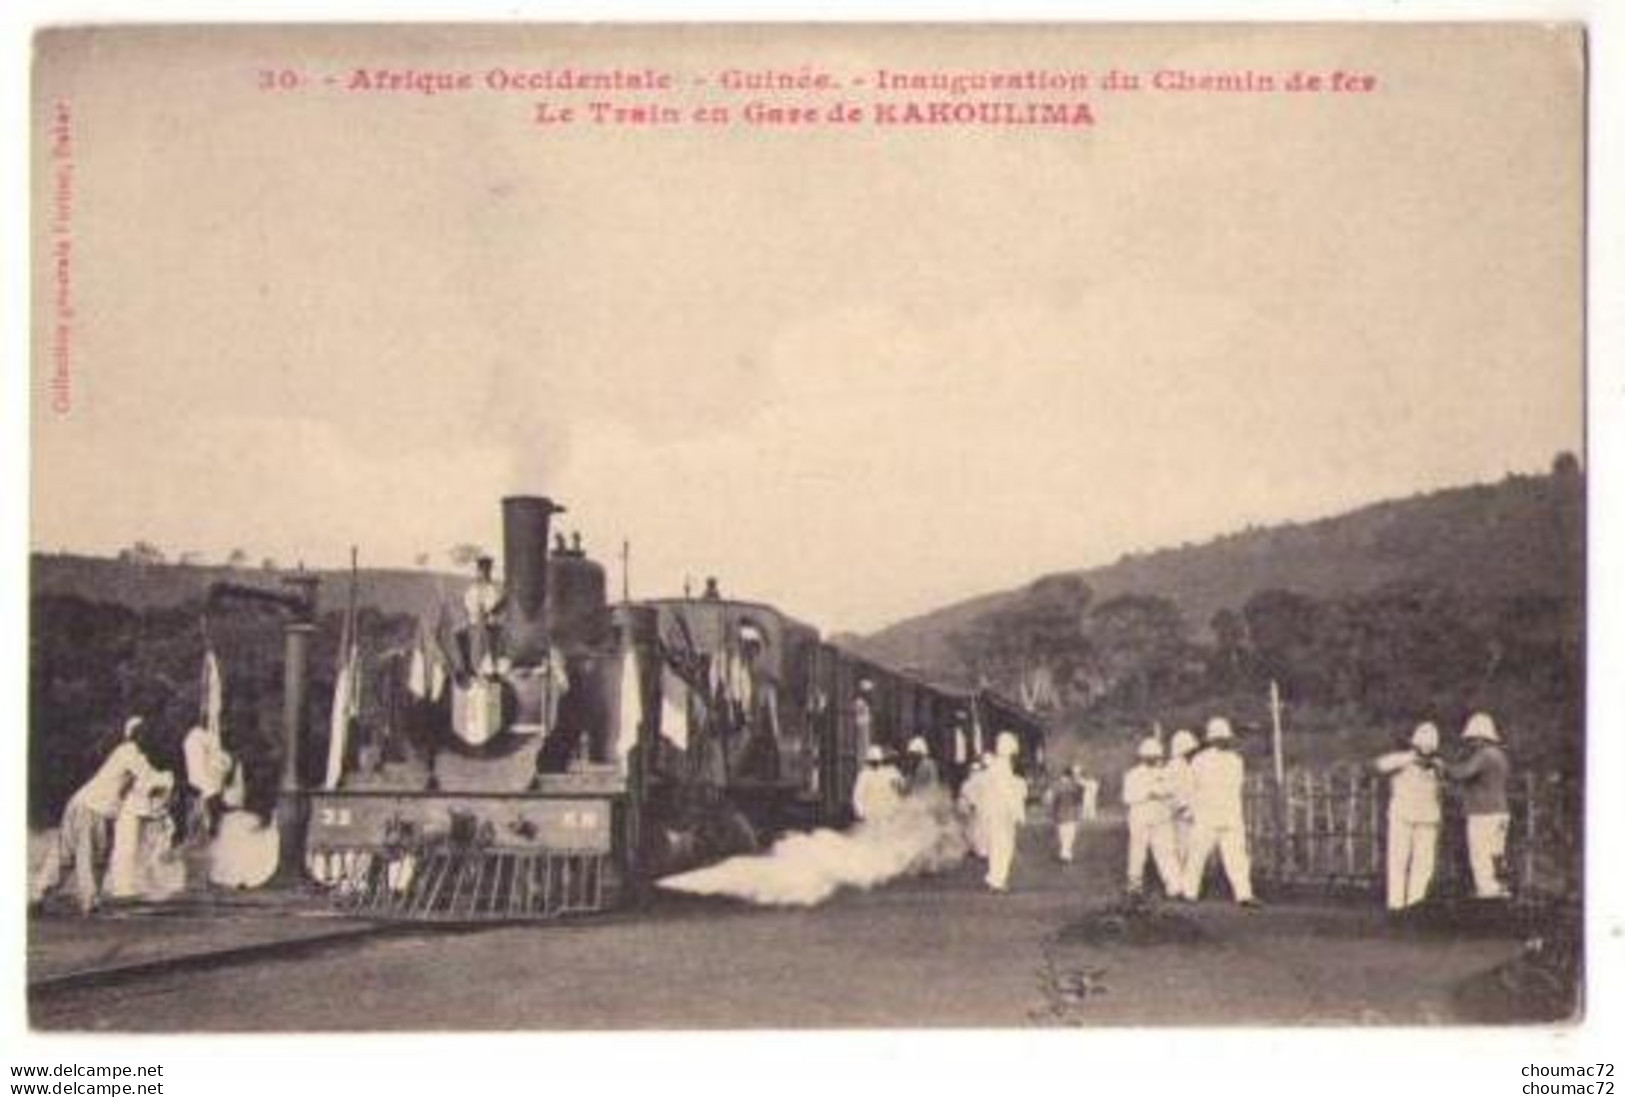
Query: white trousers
x,y
1411,850
1486,846
976,833
1066,837
123,865
81,843
1183,826
1157,840
1001,853
1231,838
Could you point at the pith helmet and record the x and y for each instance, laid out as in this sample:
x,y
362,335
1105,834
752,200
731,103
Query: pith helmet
x,y
875,754
1149,748
1006,745
1182,743
1218,730
1481,727
917,745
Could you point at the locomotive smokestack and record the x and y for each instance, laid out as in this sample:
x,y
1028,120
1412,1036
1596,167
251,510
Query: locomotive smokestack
x,y
525,521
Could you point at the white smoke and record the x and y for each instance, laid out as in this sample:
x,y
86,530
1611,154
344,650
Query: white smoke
x,y
804,869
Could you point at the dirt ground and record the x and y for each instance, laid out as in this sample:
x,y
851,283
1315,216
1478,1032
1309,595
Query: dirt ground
x,y
1057,950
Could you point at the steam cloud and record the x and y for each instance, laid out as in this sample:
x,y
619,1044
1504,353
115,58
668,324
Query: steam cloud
x,y
804,869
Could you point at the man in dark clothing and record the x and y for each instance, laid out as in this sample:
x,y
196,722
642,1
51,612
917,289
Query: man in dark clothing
x,y
1483,780
1065,798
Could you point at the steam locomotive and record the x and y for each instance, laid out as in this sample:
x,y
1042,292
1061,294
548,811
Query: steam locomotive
x,y
578,749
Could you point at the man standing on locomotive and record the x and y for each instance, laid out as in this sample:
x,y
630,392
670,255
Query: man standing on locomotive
x,y
483,602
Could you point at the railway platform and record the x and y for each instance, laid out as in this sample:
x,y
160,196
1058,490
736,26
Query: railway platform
x,y
193,930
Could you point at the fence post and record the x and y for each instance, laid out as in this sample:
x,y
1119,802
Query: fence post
x,y
1350,815
1525,885
1375,862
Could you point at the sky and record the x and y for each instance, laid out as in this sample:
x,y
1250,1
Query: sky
x,y
857,374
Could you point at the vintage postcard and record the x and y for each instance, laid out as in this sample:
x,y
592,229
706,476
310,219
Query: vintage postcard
x,y
557,527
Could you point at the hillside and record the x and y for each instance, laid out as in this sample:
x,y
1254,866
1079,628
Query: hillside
x,y
142,587
1521,536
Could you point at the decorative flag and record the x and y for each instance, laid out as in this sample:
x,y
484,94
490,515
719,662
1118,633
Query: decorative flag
x,y
417,670
631,706
674,709
346,709
213,694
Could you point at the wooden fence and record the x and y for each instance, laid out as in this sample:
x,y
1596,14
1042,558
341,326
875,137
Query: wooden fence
x,y
1327,831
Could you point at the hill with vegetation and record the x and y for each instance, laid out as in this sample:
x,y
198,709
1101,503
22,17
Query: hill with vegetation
x,y
1424,607
139,583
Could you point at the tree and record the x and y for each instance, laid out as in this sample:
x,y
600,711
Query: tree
x,y
1139,641
1230,649
237,559
1041,632
465,554
142,554
421,559
1283,625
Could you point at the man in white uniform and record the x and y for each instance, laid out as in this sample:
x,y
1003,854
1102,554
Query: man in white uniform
x,y
1004,805
878,791
1150,821
863,717
87,821
1413,816
1065,799
1181,782
1218,819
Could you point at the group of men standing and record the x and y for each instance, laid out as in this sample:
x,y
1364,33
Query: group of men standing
x,y
1184,803
991,805
117,833
1415,809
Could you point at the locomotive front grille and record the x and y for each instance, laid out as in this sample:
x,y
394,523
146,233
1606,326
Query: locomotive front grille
x,y
463,885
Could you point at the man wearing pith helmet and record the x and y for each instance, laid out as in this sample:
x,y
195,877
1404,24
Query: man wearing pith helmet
x,y
1181,782
1004,803
921,775
1150,820
1413,816
1218,820
1483,779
